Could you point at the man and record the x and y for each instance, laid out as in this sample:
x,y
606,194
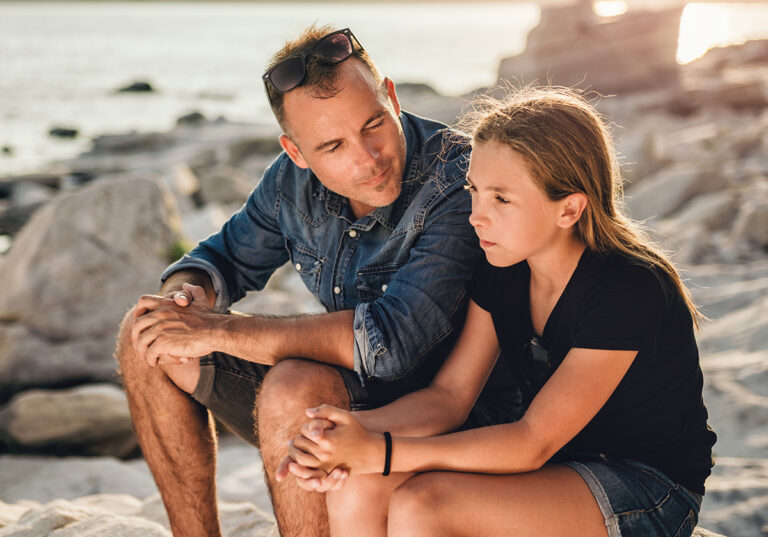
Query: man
x,y
366,203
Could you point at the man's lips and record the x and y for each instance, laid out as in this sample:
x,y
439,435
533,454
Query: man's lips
x,y
375,180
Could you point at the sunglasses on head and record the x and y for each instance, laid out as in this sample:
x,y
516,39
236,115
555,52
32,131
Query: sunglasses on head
x,y
290,72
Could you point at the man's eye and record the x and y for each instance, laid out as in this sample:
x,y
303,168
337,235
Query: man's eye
x,y
374,126
333,149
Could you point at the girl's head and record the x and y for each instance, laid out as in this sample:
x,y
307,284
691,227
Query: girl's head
x,y
552,140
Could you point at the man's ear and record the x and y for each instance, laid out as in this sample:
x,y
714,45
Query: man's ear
x,y
390,86
293,151
572,207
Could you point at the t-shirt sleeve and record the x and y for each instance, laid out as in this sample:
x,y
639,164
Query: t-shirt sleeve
x,y
621,311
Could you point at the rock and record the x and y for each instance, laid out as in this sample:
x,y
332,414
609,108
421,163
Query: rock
x,y
71,274
7,150
713,211
44,479
137,87
64,519
63,132
13,218
568,48
198,224
668,189
132,142
751,226
91,419
30,193
117,504
193,118
10,513
223,184
718,58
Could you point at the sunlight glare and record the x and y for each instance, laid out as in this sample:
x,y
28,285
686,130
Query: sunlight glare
x,y
610,8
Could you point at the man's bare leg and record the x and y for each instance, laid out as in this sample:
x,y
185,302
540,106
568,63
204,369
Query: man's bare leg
x,y
287,391
176,435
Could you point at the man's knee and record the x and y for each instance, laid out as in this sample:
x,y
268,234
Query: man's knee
x,y
293,385
124,343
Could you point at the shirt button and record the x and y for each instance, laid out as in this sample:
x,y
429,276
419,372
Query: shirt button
x,y
298,266
384,288
352,233
337,290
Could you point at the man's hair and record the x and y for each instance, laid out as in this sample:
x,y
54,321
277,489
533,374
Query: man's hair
x,y
321,78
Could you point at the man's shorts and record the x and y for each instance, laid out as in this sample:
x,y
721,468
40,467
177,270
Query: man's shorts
x,y
228,387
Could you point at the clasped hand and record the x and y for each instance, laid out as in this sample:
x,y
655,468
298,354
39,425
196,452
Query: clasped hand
x,y
173,328
332,445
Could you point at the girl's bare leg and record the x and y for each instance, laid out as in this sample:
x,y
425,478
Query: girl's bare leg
x,y
359,509
553,501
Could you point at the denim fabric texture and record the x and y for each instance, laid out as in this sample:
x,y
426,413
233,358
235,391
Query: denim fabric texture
x,y
403,268
638,500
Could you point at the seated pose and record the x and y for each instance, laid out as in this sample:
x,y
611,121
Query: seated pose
x,y
594,319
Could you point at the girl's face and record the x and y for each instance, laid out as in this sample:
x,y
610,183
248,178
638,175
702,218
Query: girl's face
x,y
513,218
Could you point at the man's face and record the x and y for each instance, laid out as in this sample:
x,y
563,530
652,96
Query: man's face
x,y
353,141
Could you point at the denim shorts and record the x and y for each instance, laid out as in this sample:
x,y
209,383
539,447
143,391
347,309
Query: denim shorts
x,y
638,500
228,387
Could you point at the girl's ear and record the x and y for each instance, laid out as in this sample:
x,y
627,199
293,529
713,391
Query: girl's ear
x,y
571,208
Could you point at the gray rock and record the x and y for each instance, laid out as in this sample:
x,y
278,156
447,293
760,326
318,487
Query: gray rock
x,y
198,224
223,184
64,519
10,513
72,273
29,193
751,226
668,189
91,419
713,211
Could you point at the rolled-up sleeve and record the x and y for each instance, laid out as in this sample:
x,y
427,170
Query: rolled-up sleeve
x,y
423,301
247,250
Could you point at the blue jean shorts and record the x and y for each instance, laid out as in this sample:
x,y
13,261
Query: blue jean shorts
x,y
638,500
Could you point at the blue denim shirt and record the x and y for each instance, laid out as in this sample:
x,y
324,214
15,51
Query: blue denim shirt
x,y
403,268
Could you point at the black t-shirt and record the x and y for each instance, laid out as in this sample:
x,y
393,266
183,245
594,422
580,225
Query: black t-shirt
x,y
656,415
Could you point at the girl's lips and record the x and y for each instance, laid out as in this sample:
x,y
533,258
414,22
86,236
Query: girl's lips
x,y
486,244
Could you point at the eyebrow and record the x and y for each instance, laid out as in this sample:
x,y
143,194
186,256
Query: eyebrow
x,y
497,189
330,143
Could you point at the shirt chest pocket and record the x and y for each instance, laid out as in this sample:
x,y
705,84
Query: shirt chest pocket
x,y
372,282
307,263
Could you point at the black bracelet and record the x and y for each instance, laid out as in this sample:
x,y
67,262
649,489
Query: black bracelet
x,y
387,453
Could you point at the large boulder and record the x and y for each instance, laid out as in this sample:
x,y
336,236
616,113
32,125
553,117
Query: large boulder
x,y
70,276
91,419
571,46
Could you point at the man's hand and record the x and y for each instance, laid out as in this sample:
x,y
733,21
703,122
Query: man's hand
x,y
175,327
309,478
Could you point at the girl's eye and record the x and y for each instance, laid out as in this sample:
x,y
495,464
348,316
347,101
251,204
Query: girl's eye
x,y
502,200
470,187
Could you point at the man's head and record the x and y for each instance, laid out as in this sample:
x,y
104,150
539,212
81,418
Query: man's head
x,y
342,122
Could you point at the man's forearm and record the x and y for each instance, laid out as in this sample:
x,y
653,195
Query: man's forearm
x,y
327,338
191,276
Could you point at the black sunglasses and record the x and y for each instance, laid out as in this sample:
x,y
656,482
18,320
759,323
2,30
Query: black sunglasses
x,y
290,72
535,365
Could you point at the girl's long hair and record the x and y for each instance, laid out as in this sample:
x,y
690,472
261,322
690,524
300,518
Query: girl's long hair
x,y
569,149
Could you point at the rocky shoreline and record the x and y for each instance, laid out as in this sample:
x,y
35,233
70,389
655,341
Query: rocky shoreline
x,y
80,240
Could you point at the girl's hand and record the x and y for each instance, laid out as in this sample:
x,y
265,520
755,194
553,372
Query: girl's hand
x,y
348,445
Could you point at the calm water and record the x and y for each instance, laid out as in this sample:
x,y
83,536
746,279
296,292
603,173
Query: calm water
x,y
61,62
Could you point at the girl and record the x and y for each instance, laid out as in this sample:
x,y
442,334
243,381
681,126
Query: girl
x,y
600,328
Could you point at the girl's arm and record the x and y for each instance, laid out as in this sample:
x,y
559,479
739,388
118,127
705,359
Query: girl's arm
x,y
446,402
567,402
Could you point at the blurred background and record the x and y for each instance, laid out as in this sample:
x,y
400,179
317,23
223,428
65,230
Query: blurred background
x,y
129,131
